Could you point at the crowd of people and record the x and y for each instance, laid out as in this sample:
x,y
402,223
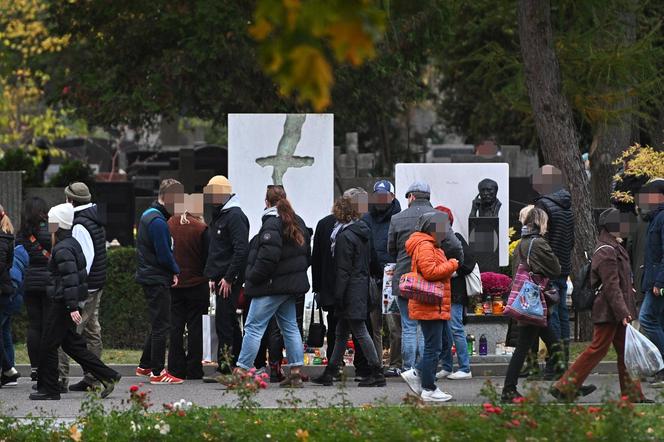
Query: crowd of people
x,y
56,265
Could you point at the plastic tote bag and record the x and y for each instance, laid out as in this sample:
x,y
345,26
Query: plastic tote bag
x,y
642,358
526,302
474,282
210,340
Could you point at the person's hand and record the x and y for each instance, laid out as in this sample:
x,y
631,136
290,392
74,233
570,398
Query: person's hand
x,y
76,317
213,286
225,288
657,291
175,280
626,321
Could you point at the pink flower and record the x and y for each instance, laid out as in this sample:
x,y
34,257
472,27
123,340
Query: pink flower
x,y
263,385
265,375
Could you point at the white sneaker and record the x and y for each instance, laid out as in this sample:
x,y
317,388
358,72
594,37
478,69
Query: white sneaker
x,y
413,380
435,396
460,376
442,374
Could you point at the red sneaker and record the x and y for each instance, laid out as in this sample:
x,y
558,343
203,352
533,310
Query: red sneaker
x,y
165,378
143,372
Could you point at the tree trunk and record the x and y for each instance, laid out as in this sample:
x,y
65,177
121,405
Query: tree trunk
x,y
553,120
613,137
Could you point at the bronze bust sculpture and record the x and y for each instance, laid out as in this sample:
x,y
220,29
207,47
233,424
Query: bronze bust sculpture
x,y
486,204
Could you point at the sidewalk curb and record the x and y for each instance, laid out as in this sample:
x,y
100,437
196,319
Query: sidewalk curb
x,y
478,370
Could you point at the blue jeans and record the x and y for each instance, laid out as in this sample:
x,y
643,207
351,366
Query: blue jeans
x,y
261,310
652,319
433,344
412,340
559,317
8,310
454,332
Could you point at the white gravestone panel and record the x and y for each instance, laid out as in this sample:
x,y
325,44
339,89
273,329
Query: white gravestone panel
x,y
294,150
455,186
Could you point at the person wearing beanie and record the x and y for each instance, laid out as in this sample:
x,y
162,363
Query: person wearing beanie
x,y
156,272
614,308
88,229
226,262
650,201
66,291
402,226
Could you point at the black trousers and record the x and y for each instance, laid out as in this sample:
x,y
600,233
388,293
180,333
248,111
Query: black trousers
x,y
228,330
60,330
188,305
37,307
158,298
528,335
360,362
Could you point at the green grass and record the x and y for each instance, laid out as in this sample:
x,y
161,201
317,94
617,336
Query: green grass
x,y
109,356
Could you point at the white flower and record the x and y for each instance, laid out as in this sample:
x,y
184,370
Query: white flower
x,y
165,429
268,435
134,427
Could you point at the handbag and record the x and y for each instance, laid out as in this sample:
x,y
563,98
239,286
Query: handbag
x,y
551,295
413,286
526,302
316,336
474,282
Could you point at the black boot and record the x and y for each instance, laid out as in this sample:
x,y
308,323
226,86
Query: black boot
x,y
276,374
376,379
327,378
509,394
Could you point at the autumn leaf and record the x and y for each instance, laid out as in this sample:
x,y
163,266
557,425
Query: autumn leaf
x,y
350,42
261,29
312,75
74,434
302,435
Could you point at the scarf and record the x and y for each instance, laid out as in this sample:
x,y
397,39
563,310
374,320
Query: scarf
x,y
338,227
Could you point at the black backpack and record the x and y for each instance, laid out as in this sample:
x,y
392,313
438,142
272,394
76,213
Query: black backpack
x,y
583,295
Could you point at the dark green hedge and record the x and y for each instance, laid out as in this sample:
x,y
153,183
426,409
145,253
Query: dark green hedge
x,y
123,313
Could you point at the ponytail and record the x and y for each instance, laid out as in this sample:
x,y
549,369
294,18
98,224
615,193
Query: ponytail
x,y
291,227
276,197
6,225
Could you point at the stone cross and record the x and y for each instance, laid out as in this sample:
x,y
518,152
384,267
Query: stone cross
x,y
285,158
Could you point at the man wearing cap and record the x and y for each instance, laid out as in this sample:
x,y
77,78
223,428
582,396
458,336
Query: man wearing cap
x,y
226,262
401,227
382,206
88,230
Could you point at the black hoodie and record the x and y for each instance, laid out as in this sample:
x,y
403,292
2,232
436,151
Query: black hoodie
x,y
560,229
6,262
351,258
379,223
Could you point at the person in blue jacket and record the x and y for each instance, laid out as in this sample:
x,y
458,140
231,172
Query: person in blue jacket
x,y
156,272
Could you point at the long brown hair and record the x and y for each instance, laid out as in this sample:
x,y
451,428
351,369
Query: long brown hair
x,y
276,197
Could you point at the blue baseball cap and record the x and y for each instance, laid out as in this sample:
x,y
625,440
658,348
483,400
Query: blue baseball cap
x,y
383,186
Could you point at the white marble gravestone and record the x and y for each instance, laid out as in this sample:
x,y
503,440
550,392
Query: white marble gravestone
x,y
455,186
294,150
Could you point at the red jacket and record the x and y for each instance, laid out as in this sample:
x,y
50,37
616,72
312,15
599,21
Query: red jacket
x,y
431,263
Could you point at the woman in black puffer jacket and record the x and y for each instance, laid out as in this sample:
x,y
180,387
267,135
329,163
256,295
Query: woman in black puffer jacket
x,y
275,277
34,237
66,291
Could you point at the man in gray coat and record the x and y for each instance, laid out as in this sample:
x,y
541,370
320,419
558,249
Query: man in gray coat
x,y
401,227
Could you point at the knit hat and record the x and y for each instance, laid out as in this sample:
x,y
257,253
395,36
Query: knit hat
x,y
221,182
62,215
448,211
78,192
609,216
430,221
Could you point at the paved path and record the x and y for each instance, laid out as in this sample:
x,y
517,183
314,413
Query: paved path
x,y
15,400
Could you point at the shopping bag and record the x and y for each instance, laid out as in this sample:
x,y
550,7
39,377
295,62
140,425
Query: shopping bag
x,y
210,340
526,302
388,304
412,285
316,336
474,282
642,358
